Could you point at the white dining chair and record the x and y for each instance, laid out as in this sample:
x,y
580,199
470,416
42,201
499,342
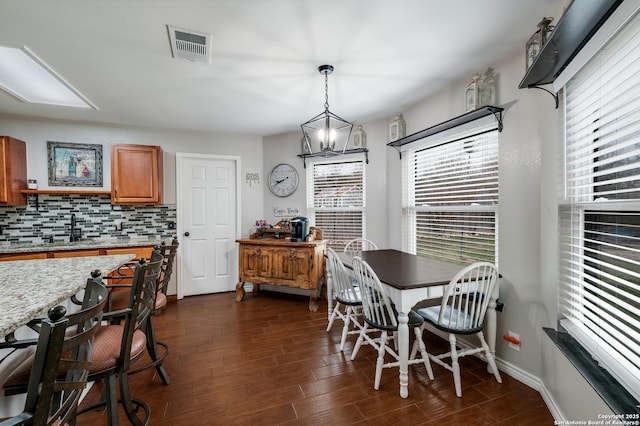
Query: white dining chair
x,y
358,245
380,314
462,312
346,296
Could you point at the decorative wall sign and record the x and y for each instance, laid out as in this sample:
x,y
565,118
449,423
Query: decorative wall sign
x,y
74,164
252,178
286,211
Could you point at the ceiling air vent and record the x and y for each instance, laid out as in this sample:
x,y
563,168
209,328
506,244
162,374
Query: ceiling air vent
x,y
191,45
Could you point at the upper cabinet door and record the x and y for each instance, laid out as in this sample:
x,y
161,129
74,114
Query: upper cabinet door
x,y
136,174
13,171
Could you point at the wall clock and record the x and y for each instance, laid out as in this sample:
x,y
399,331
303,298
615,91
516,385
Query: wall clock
x,y
283,180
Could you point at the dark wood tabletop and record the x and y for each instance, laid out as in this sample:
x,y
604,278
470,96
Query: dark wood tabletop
x,y
404,270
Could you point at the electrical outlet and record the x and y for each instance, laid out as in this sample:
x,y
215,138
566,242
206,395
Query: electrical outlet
x,y
515,338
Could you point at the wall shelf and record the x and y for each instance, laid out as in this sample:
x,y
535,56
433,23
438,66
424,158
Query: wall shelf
x,y
476,114
37,192
65,191
575,28
331,154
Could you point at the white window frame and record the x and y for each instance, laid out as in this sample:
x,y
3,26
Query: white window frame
x,y
577,307
312,210
411,210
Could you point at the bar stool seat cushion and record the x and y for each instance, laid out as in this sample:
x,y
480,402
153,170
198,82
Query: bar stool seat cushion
x,y
20,376
161,300
106,348
105,354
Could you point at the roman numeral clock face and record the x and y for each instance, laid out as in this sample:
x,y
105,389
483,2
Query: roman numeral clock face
x,y
283,180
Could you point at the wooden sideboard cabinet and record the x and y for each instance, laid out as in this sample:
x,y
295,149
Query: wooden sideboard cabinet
x,y
282,263
136,174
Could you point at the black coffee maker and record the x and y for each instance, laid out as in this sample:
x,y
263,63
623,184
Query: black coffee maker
x,y
299,229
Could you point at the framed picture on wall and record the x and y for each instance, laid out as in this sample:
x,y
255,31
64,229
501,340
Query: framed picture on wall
x,y
74,164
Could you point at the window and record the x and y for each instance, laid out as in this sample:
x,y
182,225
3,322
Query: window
x,y
599,276
451,197
336,200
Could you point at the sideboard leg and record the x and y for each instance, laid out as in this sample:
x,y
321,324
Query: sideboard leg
x,y
313,301
239,291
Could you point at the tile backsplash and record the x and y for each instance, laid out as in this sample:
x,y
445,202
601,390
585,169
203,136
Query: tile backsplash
x,y
95,217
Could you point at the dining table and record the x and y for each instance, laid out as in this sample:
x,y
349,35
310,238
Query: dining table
x,y
30,287
409,279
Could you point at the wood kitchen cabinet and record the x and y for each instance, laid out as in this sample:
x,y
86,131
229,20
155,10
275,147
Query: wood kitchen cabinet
x,y
142,251
75,253
282,263
136,174
138,251
13,171
22,256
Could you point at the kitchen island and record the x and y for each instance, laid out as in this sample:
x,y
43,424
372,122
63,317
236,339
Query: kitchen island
x,y
30,287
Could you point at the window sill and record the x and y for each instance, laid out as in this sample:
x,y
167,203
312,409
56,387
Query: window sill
x,y
611,392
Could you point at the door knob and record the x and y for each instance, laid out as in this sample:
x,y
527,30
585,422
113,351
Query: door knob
x,y
186,234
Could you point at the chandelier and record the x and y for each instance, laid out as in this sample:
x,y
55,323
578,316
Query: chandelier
x,y
326,130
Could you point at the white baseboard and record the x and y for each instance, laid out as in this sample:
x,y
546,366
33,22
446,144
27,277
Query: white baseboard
x,y
520,375
534,383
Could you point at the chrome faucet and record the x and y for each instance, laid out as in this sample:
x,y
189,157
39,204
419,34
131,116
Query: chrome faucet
x,y
75,233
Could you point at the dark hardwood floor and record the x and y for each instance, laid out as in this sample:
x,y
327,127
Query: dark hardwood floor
x,y
269,361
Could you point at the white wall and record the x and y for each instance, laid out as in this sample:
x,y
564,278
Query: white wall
x,y
36,133
529,173
527,257
284,148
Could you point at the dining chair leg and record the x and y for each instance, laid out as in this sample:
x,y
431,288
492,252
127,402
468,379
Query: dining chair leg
x,y
490,358
380,361
345,327
333,315
423,351
455,365
361,337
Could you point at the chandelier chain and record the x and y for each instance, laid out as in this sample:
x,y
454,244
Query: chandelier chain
x,y
326,92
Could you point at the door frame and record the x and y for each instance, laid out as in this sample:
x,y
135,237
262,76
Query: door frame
x,y
180,158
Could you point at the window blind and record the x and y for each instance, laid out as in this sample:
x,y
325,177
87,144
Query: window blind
x,y
451,193
599,292
336,200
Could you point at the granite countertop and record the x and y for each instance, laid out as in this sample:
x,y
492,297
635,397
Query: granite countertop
x,y
30,287
7,248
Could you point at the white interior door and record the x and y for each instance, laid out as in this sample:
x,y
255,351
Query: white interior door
x,y
207,195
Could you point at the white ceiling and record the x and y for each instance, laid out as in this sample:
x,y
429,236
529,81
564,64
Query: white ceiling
x,y
263,76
